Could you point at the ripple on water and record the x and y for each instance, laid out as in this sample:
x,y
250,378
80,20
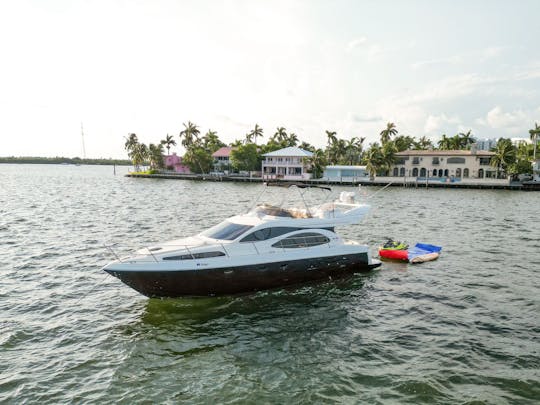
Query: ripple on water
x,y
463,329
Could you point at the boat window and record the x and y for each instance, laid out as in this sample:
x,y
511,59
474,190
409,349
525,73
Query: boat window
x,y
202,255
268,233
226,231
302,240
181,257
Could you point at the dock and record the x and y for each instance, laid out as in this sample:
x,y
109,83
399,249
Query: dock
x,y
408,182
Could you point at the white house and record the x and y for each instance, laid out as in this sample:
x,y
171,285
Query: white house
x,y
444,163
347,173
287,164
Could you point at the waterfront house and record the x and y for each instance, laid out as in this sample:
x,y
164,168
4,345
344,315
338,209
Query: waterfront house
x,y
174,162
451,164
222,159
345,173
288,164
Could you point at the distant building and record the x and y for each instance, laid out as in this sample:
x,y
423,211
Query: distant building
x,y
342,172
455,164
486,144
222,159
174,162
288,164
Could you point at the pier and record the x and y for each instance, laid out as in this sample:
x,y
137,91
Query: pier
x,y
410,182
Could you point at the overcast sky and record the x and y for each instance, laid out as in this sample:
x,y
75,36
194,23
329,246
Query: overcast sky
x,y
431,67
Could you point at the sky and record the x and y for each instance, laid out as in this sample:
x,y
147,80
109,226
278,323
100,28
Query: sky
x,y
148,66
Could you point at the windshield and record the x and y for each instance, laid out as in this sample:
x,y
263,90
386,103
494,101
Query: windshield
x,y
226,231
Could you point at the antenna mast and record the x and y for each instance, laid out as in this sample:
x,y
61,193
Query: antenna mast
x,y
82,136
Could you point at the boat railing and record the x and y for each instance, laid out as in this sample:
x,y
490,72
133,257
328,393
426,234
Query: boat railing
x,y
186,252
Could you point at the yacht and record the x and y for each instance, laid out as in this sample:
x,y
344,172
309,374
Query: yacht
x,y
267,247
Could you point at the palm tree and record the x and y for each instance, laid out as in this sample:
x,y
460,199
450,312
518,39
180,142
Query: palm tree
x,y
353,150
307,146
466,139
140,155
403,142
190,135
211,141
257,132
454,142
388,132
155,155
332,137
131,144
374,160
423,144
280,135
505,155
292,139
444,143
168,142
534,137
317,163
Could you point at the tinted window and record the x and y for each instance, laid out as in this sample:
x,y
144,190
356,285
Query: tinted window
x,y
181,257
302,240
202,255
226,231
268,233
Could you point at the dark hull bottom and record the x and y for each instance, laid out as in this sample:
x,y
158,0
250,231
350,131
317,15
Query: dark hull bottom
x,y
242,279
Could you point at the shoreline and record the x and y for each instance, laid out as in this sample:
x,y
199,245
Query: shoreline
x,y
378,181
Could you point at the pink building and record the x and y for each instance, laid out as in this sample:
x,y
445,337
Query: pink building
x,y
175,162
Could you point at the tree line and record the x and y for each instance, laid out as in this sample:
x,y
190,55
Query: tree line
x,y
378,157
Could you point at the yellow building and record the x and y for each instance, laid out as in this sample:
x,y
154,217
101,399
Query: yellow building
x,y
456,164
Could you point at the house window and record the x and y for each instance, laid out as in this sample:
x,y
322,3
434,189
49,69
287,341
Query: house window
x,y
484,161
396,171
457,160
416,161
415,172
435,161
465,172
402,172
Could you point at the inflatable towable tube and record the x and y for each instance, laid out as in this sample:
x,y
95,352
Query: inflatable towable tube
x,y
419,253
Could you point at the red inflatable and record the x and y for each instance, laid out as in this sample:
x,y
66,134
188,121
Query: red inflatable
x,y
394,254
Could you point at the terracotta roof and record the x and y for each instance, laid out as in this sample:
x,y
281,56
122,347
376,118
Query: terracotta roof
x,y
223,152
444,153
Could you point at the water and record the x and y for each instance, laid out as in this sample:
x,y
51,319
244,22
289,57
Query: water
x,y
463,329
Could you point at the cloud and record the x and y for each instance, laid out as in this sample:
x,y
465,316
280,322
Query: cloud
x,y
482,55
435,122
513,122
369,117
452,60
356,43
